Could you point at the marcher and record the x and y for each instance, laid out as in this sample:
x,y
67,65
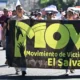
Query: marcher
x,y
2,20
49,15
19,16
70,16
33,15
13,13
5,27
54,17
39,16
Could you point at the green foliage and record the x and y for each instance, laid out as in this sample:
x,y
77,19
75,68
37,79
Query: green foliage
x,y
70,2
44,1
59,3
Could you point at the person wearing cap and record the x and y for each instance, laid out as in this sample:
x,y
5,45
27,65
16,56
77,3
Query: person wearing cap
x,y
49,15
39,16
54,17
70,15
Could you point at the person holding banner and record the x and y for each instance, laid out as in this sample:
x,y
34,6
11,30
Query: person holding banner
x,y
19,16
70,16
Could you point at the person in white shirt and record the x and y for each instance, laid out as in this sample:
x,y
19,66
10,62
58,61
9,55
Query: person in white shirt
x,y
19,16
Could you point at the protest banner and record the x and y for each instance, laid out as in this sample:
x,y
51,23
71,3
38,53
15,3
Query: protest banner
x,y
45,44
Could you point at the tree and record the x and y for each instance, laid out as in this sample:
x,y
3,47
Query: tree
x,y
59,3
43,3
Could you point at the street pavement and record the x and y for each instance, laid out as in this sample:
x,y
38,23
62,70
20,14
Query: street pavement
x,y
9,72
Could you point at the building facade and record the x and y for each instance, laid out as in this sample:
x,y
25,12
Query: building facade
x,y
26,4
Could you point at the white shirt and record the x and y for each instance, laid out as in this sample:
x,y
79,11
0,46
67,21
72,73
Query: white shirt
x,y
22,18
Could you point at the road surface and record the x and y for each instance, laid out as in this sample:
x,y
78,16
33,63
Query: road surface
x,y
9,72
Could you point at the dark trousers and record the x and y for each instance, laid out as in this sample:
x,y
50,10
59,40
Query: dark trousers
x,y
7,48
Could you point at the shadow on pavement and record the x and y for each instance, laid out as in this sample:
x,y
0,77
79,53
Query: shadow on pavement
x,y
64,76
8,77
3,66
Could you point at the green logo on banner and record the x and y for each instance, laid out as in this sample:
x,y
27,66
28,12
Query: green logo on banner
x,y
56,36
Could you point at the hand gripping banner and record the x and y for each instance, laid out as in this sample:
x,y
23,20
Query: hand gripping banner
x,y
44,44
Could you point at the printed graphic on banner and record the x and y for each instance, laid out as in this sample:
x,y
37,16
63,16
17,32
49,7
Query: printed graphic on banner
x,y
46,44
